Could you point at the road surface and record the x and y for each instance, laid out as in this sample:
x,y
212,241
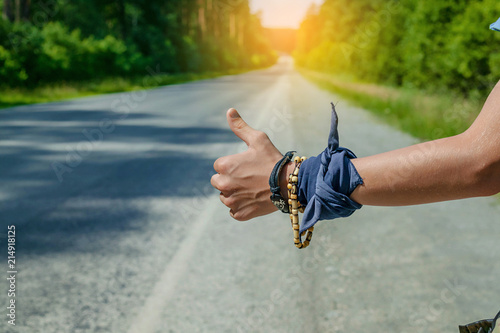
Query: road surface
x,y
118,229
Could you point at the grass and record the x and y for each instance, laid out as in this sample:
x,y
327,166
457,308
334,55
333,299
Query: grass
x,y
424,115
65,90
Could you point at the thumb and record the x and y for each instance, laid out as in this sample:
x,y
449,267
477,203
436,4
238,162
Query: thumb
x,y
239,126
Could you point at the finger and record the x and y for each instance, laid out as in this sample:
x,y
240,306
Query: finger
x,y
240,127
217,165
221,183
223,165
236,214
239,215
228,200
215,181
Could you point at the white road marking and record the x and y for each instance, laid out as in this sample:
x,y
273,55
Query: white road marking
x,y
148,318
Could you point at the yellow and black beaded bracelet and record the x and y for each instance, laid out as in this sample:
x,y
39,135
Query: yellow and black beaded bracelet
x,y
295,207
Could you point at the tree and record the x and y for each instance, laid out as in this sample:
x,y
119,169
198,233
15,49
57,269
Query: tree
x,y
16,10
444,45
8,11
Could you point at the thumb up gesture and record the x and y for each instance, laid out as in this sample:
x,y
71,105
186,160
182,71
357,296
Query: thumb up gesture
x,y
243,179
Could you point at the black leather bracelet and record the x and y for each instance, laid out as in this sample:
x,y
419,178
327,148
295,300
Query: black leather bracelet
x,y
274,183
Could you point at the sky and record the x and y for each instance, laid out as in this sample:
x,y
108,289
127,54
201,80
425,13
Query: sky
x,y
282,13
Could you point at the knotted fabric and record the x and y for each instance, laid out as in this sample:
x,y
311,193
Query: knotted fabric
x,y
495,26
327,181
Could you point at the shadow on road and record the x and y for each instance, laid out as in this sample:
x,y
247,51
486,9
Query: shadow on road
x,y
141,160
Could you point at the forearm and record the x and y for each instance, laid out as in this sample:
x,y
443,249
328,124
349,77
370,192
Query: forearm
x,y
463,166
428,172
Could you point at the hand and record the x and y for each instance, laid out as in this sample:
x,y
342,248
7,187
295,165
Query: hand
x,y
243,179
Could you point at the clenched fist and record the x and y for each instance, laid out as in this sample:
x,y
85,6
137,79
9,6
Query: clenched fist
x,y
243,179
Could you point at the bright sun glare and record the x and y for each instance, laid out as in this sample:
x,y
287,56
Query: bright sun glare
x,y
282,13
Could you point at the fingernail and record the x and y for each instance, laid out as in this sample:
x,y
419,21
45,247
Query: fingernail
x,y
235,114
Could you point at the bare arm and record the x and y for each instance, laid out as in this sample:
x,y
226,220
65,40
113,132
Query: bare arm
x,y
466,165
463,166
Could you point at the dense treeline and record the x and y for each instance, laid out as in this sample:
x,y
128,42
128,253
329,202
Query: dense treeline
x,y
422,44
54,40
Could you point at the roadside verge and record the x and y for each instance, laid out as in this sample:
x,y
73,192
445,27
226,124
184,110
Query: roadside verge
x,y
65,90
427,116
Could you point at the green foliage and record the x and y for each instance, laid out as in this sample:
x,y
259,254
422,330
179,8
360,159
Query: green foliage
x,y
66,40
47,92
439,46
10,67
423,115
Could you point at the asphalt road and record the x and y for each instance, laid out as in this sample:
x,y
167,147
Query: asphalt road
x,y
118,229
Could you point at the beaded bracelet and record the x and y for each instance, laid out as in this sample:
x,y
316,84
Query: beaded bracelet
x,y
296,207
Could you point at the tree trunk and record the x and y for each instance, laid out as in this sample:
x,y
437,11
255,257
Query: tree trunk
x,y
122,19
209,18
232,25
185,19
18,10
202,18
7,10
25,9
241,33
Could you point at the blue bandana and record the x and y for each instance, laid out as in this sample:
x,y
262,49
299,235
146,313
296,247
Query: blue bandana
x,y
495,26
327,181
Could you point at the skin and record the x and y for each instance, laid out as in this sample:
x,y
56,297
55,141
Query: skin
x,y
243,179
462,166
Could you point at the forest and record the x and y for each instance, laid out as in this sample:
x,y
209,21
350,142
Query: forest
x,y
44,41
439,46
432,45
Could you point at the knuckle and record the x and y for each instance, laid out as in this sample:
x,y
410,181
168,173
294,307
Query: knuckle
x,y
213,181
222,165
217,164
239,123
220,183
228,202
237,216
240,216
244,218
224,185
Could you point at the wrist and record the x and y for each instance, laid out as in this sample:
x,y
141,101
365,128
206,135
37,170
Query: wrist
x,y
285,172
